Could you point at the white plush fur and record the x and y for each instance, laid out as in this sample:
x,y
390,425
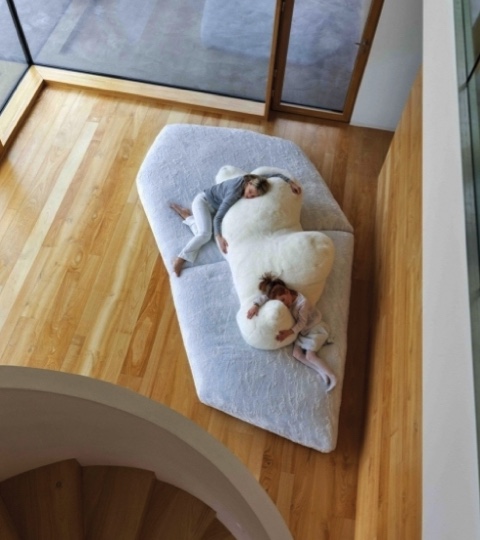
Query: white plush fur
x,y
265,235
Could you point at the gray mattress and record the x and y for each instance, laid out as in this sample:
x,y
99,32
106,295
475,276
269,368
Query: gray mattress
x,y
266,388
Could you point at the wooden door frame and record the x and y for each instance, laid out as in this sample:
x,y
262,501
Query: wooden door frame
x,y
281,34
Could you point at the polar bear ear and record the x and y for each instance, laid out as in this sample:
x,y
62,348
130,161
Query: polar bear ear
x,y
228,171
260,331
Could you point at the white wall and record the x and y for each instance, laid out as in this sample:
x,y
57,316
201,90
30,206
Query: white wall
x,y
392,66
450,475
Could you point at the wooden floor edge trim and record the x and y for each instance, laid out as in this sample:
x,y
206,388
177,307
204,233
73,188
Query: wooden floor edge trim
x,y
19,105
164,94
313,113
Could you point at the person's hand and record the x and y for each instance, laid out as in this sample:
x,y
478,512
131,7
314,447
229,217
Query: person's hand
x,y
283,334
222,243
252,312
296,188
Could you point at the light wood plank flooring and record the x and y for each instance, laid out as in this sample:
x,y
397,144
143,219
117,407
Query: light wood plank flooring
x,y
390,468
83,289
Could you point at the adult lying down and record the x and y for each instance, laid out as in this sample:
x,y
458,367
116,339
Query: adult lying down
x,y
210,206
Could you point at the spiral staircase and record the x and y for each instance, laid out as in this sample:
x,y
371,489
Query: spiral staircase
x,y
65,501
141,470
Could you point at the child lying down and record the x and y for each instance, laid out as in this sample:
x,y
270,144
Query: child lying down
x,y
312,332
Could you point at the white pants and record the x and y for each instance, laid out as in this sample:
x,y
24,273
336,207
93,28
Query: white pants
x,y
201,225
314,338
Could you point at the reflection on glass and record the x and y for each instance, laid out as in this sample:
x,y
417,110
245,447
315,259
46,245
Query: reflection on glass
x,y
217,46
322,50
472,47
12,60
469,87
473,16
474,108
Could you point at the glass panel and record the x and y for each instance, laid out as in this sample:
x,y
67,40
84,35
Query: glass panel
x,y
217,46
472,20
12,59
474,103
471,45
469,102
322,50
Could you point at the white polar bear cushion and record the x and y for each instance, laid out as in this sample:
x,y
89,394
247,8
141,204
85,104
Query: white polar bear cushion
x,y
272,240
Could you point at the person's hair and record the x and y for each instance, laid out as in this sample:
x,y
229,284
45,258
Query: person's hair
x,y
272,286
260,183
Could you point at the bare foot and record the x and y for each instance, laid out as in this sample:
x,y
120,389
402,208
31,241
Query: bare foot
x,y
178,265
181,211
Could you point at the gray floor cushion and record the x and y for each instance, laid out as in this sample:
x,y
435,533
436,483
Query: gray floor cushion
x,y
266,388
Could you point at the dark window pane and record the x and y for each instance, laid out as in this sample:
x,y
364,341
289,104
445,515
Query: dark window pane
x,y
473,17
12,59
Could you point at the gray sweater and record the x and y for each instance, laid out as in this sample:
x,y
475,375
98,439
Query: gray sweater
x,y
225,194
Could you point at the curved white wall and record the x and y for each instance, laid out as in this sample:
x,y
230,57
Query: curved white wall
x,y
47,416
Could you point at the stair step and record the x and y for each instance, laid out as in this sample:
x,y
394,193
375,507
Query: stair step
x,y
114,501
46,503
7,527
66,501
174,514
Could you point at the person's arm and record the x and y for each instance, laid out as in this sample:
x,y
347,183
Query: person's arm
x,y
222,243
302,311
257,304
217,225
294,185
296,188
301,322
283,334
231,194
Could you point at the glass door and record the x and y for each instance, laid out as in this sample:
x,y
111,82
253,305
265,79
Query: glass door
x,y
322,52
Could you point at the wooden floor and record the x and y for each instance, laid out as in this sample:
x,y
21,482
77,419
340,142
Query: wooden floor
x,y
83,290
